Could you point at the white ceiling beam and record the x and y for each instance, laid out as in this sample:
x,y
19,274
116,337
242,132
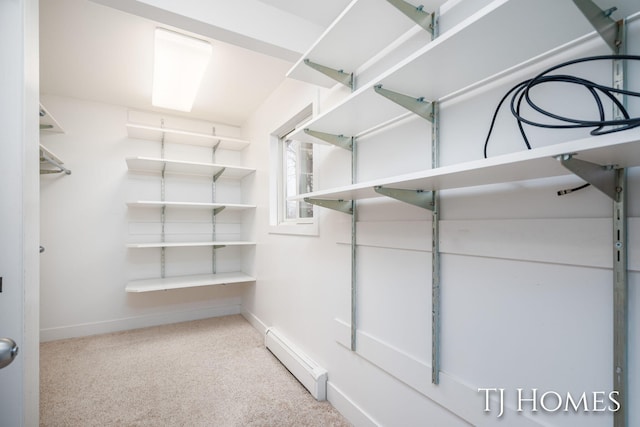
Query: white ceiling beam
x,y
251,24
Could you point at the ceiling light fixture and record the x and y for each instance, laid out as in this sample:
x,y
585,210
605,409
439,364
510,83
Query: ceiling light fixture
x,y
179,64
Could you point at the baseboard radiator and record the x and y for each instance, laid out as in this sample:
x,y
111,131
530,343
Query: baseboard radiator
x,y
309,373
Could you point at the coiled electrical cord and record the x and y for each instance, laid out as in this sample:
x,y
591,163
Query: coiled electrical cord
x,y
520,93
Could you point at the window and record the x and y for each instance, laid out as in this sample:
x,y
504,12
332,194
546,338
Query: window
x,y
291,175
297,170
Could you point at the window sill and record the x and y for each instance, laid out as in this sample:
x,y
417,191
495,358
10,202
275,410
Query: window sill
x,y
308,229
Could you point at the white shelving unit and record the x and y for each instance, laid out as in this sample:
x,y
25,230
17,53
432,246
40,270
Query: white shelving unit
x,y
361,35
193,281
495,41
49,162
155,133
48,123
188,205
163,167
622,150
187,244
467,55
156,165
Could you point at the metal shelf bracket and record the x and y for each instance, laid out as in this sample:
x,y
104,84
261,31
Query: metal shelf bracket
x,y
338,75
416,14
44,157
417,105
216,211
620,300
341,141
344,206
601,177
610,30
216,176
612,182
420,198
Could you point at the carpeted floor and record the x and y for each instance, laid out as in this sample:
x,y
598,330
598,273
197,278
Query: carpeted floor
x,y
212,372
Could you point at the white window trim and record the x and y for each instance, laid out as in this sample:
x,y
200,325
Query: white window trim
x,y
304,226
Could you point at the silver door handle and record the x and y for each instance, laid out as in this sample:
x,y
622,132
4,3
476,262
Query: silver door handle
x,y
8,351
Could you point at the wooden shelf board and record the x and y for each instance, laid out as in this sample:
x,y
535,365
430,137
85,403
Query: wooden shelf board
x,y
188,205
361,31
186,244
149,164
181,282
621,149
154,133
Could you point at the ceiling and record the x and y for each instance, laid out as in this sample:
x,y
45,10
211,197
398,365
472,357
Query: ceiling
x,y
102,50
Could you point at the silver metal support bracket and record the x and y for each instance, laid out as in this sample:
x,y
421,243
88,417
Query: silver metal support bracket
x,y
620,299
216,176
417,105
435,252
344,206
338,75
216,211
420,198
416,14
219,246
354,251
601,177
341,141
618,71
609,30
46,158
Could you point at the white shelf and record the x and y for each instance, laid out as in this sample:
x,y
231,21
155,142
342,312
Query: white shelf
x,y
48,123
494,39
188,205
621,149
148,285
49,154
155,165
186,244
50,163
361,112
362,30
154,133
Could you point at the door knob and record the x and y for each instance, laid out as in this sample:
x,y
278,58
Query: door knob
x,y
8,351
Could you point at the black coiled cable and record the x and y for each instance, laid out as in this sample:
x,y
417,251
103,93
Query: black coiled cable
x,y
520,93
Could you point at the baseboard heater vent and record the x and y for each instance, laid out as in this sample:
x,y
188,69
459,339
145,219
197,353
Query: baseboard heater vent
x,y
310,375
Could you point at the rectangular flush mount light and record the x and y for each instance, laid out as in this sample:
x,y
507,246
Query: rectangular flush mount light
x,y
179,64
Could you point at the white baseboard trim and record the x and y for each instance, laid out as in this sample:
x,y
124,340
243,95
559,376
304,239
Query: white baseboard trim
x,y
254,321
136,322
311,375
348,408
345,405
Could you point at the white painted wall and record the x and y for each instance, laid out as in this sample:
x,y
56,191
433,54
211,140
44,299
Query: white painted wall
x,y
526,275
85,225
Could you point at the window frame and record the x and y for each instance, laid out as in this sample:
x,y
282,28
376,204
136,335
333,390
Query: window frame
x,y
283,216
278,223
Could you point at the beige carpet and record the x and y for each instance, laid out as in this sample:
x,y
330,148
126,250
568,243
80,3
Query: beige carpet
x,y
213,372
